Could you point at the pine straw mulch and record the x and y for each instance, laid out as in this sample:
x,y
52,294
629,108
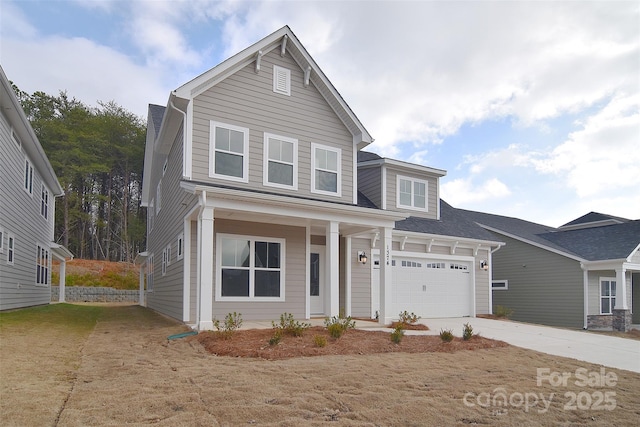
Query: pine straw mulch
x,y
255,343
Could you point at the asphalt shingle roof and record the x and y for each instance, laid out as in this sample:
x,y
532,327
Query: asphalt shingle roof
x,y
157,113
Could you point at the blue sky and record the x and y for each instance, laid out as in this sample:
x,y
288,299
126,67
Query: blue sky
x,y
532,108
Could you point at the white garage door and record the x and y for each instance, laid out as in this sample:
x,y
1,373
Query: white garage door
x,y
429,288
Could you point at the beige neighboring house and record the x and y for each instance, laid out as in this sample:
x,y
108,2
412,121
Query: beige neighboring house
x,y
261,200
28,189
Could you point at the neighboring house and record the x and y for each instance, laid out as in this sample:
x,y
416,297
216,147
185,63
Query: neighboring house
x,y
251,182
584,274
27,208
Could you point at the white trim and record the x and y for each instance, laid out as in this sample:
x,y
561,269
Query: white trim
x,y
383,192
164,262
413,182
212,151
347,273
285,73
45,198
307,281
2,240
266,160
150,272
252,241
338,151
28,176
168,254
11,248
354,177
180,246
503,288
46,265
610,297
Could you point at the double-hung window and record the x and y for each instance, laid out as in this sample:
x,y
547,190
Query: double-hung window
x,y
325,170
42,265
607,295
280,161
28,176
249,268
44,205
11,248
411,194
180,245
229,152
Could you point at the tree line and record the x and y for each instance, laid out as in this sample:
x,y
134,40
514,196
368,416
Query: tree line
x,y
97,154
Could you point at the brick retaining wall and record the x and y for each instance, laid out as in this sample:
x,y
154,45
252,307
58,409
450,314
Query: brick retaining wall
x,y
93,294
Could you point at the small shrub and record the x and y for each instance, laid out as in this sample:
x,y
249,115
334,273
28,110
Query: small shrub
x,y
291,326
409,319
397,334
232,322
319,340
277,336
446,335
339,325
467,332
502,311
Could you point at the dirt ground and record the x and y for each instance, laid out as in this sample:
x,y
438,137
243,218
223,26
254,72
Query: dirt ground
x,y
125,371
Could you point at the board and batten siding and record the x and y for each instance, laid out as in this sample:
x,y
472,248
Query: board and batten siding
x,y
246,99
392,195
295,272
20,216
168,290
544,287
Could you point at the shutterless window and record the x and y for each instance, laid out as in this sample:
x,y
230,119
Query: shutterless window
x,y
250,268
229,147
412,193
42,265
180,247
1,240
11,243
280,161
607,295
501,285
326,173
44,205
28,176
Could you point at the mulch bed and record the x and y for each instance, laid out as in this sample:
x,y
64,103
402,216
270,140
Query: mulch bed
x,y
255,343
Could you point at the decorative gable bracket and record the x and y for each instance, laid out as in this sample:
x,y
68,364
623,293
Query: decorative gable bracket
x,y
258,60
307,75
403,242
283,47
453,247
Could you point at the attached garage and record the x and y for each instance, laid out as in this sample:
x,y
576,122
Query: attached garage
x,y
428,287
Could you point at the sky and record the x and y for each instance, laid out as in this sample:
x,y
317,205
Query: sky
x,y
532,108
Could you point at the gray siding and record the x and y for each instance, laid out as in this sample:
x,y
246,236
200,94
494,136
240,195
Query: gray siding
x,y
370,184
432,192
168,290
360,279
20,216
295,272
544,287
246,99
483,283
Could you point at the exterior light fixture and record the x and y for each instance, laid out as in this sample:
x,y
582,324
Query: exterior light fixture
x,y
484,265
362,257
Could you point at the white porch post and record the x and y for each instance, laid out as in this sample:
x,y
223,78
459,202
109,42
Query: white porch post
x,y
207,266
347,276
332,268
307,270
385,316
621,289
141,301
63,279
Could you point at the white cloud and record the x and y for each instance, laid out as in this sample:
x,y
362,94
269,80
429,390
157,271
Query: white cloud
x,y
464,192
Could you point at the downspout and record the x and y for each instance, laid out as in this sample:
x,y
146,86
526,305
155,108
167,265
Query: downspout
x,y
184,138
202,201
491,252
585,296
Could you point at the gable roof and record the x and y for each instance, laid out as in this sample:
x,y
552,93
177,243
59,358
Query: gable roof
x,y
156,114
366,158
593,219
595,243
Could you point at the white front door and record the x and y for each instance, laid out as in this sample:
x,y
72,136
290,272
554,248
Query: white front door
x,y
316,279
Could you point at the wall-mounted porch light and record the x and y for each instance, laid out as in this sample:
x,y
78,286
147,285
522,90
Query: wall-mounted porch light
x,y
484,265
362,257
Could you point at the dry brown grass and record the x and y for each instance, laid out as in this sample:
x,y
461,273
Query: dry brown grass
x,y
127,372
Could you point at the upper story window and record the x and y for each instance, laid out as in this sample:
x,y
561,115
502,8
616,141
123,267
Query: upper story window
x,y
1,240
11,247
229,152
180,254
411,193
42,266
280,161
325,170
281,80
28,176
44,205
607,295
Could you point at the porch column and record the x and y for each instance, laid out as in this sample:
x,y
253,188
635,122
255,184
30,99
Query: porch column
x,y
347,276
332,268
207,266
63,279
621,290
385,316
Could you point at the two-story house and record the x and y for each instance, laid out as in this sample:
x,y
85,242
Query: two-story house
x,y
251,182
28,189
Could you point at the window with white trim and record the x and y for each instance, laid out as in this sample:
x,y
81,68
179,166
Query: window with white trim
x,y
326,175
499,285
150,273
164,261
11,248
180,247
607,295
411,193
281,80
44,204
169,254
229,152
280,161
249,268
28,176
435,265
1,240
42,265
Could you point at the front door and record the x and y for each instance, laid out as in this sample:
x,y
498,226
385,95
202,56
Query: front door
x,y
316,279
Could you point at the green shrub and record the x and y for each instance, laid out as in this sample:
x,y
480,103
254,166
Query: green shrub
x,y
502,311
319,340
446,335
339,325
467,332
397,334
290,326
232,322
277,336
409,319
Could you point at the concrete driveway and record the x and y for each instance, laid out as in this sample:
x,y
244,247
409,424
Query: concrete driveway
x,y
614,352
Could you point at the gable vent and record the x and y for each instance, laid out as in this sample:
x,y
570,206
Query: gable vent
x,y
281,80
